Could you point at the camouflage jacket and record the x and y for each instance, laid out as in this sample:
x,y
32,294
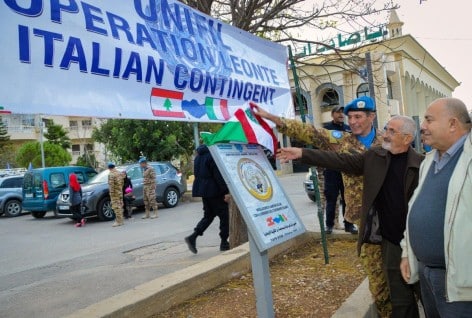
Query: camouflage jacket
x,y
149,177
330,140
115,183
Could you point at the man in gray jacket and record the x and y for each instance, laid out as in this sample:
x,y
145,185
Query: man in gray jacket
x,y
438,236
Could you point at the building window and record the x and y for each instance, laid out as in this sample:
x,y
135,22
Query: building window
x,y
76,150
27,120
389,89
86,124
89,147
363,90
73,125
330,98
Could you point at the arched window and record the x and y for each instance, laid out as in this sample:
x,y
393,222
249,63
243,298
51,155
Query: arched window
x,y
363,90
330,98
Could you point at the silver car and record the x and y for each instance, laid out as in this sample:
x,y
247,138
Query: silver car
x,y
96,199
11,195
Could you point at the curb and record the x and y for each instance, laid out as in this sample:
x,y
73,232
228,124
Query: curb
x,y
359,304
164,292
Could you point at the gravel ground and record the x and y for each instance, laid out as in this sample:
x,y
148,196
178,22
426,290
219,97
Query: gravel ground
x,y
302,286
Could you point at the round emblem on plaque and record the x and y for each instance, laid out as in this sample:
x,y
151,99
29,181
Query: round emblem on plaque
x,y
254,179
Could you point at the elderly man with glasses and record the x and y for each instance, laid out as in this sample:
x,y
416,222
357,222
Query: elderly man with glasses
x,y
390,177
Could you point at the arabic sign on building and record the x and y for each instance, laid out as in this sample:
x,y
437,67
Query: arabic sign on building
x,y
145,59
267,211
346,41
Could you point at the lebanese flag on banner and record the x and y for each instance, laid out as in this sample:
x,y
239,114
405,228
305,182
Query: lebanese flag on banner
x,y
166,103
244,127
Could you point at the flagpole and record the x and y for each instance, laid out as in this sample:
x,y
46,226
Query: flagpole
x,y
297,84
313,176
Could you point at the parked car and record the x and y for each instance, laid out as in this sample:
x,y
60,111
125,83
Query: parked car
x,y
11,196
96,198
42,186
309,186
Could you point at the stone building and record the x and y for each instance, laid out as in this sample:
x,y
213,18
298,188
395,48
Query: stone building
x,y
405,76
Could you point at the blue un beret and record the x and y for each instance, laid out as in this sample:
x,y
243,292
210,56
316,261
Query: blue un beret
x,y
364,103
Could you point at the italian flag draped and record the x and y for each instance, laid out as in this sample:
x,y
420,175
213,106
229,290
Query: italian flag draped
x,y
244,127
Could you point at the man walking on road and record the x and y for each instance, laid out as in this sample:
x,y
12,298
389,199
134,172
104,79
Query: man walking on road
x,y
149,189
115,185
211,187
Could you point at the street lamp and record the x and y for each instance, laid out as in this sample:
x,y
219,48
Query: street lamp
x,y
41,141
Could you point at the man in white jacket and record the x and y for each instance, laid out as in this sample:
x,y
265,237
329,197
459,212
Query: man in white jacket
x,y
438,236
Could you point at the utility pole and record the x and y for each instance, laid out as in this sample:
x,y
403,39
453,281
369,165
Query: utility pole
x,y
41,140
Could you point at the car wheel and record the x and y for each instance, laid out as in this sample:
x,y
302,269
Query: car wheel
x,y
312,198
13,208
171,198
38,215
104,210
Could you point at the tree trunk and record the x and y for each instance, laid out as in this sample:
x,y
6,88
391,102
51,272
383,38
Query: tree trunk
x,y
237,227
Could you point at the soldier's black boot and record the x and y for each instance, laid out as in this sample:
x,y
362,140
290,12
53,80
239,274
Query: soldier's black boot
x,y
192,242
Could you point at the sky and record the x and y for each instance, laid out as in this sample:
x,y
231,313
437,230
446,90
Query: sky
x,y
444,29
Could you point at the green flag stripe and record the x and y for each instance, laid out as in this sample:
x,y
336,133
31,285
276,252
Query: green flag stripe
x,y
231,131
209,108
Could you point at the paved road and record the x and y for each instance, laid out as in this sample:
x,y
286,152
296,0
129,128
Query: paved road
x,y
48,268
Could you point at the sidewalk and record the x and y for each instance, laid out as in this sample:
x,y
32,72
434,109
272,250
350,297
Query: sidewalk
x,y
162,293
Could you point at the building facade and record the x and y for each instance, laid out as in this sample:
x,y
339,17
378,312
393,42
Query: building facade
x,y
405,77
23,128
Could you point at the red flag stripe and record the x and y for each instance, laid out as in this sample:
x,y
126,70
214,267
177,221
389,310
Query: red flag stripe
x,y
165,113
250,135
224,109
264,125
160,92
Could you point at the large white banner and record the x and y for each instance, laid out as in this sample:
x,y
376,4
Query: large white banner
x,y
143,59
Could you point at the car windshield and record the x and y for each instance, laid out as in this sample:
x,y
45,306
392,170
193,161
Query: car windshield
x,y
102,177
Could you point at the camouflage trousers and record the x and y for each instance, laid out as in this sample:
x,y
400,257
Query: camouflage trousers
x,y
371,259
117,206
149,197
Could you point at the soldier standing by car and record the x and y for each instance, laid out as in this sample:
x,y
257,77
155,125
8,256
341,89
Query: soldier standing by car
x,y
361,115
115,185
149,188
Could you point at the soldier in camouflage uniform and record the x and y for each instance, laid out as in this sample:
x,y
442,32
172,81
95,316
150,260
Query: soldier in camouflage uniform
x,y
149,189
115,185
361,114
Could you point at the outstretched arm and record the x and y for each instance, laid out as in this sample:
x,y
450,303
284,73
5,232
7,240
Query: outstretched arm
x,y
349,163
266,115
303,132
